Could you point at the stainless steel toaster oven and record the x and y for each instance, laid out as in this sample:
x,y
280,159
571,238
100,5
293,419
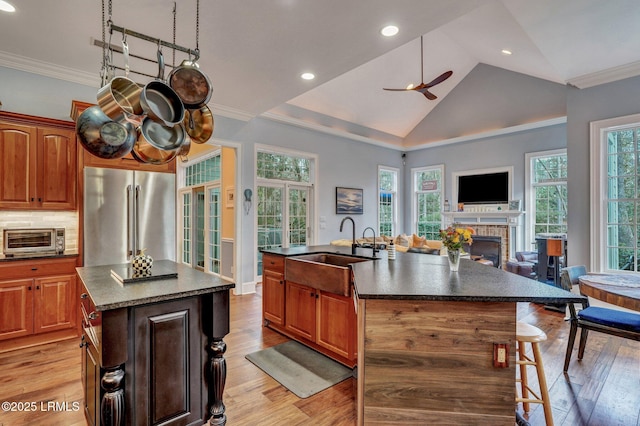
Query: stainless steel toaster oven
x,y
30,242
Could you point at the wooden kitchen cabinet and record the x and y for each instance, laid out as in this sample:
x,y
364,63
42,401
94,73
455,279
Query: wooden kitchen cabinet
x,y
337,329
38,163
273,289
300,311
37,299
16,308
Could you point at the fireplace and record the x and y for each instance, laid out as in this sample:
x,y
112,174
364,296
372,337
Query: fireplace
x,y
489,247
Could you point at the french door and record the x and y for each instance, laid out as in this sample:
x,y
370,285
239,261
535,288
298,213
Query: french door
x,y
283,216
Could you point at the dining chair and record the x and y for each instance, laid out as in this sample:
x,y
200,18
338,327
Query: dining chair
x,y
604,320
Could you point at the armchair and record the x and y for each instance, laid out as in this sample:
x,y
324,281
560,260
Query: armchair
x,y
524,264
604,320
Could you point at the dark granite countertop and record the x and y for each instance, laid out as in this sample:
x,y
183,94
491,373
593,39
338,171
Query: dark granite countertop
x,y
4,258
108,293
414,276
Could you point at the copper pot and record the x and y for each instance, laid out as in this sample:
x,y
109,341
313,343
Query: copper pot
x,y
199,124
158,144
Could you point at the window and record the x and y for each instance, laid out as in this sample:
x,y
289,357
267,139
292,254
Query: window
x,y
615,190
387,200
546,193
284,194
427,188
201,213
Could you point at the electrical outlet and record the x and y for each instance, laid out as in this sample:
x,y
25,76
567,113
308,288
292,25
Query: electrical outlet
x,y
501,355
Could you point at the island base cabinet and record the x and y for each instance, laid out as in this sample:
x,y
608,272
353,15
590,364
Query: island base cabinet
x,y
169,359
431,362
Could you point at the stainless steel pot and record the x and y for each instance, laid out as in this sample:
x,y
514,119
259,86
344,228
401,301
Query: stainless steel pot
x,y
104,137
159,101
158,144
120,100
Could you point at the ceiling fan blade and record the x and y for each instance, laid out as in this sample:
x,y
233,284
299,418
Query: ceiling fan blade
x,y
439,79
397,90
429,95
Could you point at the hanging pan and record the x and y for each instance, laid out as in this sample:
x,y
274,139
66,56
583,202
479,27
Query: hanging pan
x,y
160,102
120,98
192,85
158,144
102,136
199,124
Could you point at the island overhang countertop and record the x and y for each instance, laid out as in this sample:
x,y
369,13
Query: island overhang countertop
x,y
108,293
414,276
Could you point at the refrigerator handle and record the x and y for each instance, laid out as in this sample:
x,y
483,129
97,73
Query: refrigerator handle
x,y
129,245
137,218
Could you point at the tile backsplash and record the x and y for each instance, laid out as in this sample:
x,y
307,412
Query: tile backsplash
x,y
43,219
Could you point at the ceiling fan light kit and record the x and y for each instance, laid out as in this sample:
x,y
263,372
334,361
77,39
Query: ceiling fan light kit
x,y
424,87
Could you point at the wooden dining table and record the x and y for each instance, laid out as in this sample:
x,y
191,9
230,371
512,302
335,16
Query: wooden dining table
x,y
618,289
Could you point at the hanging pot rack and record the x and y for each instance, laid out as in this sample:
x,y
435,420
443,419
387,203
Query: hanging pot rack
x,y
127,32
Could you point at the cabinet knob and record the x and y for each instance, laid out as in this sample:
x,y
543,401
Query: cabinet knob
x,y
37,287
34,269
281,282
84,296
29,288
93,315
32,199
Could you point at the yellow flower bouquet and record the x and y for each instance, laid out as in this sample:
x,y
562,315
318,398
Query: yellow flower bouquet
x,y
456,235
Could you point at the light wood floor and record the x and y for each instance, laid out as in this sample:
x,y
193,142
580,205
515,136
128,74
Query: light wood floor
x,y
604,389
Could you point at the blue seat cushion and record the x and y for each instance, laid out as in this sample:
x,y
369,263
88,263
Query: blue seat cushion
x,y
611,318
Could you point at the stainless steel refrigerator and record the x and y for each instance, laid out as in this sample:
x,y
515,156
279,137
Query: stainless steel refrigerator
x,y
126,211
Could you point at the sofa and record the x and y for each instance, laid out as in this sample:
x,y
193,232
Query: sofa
x,y
403,242
524,264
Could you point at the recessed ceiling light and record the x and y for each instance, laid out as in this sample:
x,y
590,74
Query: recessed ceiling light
x,y
506,52
389,31
6,6
307,76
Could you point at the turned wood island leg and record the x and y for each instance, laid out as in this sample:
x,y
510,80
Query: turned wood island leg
x,y
215,315
112,404
218,374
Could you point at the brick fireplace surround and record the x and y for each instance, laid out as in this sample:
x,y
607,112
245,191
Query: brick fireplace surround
x,y
496,231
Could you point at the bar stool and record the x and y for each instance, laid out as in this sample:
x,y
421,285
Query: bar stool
x,y
529,333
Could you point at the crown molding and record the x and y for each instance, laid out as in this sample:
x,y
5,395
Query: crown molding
x,y
229,112
491,133
328,130
606,76
47,69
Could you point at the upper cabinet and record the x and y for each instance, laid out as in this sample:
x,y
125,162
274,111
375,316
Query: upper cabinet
x,y
38,163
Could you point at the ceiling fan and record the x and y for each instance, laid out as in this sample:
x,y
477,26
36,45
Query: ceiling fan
x,y
422,87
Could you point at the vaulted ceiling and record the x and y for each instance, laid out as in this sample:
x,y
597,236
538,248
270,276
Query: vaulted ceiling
x,y
254,51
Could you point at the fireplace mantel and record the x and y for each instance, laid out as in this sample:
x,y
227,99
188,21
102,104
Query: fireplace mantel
x,y
498,217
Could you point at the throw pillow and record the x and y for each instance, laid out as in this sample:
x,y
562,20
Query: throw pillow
x,y
418,242
403,240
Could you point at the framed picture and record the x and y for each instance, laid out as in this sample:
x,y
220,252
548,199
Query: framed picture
x,y
348,200
514,205
230,196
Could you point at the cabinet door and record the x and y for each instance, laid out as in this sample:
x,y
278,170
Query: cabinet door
x,y
91,383
17,165
300,315
273,297
336,324
16,308
55,303
56,171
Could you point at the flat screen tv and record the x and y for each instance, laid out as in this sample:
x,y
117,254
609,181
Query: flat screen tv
x,y
486,188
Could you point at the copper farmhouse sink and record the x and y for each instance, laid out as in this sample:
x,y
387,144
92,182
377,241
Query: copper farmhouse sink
x,y
322,271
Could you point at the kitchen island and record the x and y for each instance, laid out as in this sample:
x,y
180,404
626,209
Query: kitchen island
x,y
154,349
426,337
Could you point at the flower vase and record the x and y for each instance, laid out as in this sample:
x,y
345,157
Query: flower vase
x,y
454,260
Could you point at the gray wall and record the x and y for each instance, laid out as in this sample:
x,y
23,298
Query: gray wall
x,y
610,100
497,151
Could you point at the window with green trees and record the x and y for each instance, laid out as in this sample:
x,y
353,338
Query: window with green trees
x,y
427,186
387,200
